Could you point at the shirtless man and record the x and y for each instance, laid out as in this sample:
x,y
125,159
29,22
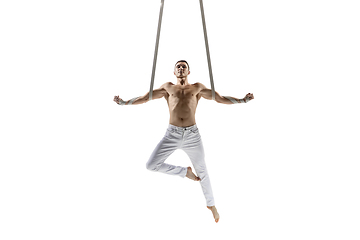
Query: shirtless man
x,y
182,133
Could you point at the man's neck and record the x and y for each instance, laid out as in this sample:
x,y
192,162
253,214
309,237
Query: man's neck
x,y
182,81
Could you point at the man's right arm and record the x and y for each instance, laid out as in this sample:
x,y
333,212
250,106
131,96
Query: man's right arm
x,y
157,94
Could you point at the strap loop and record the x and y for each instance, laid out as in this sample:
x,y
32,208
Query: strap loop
x,y
132,100
122,102
240,100
231,99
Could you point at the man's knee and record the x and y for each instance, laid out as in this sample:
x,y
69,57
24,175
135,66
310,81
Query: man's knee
x,y
150,166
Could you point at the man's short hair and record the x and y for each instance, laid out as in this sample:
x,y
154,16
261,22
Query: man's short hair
x,y
184,62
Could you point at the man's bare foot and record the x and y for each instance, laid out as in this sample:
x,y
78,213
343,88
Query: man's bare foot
x,y
215,213
191,175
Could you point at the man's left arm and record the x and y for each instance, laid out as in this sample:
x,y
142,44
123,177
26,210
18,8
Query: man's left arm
x,y
207,94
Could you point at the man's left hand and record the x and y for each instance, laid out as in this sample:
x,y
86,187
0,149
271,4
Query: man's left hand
x,y
248,97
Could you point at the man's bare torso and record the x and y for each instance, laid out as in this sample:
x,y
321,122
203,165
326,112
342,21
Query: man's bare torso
x,y
182,101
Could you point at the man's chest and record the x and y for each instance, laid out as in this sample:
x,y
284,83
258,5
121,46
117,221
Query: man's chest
x,y
183,92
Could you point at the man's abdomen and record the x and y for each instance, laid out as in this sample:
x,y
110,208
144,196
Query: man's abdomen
x,y
182,117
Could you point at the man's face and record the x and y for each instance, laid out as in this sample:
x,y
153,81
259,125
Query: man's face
x,y
181,69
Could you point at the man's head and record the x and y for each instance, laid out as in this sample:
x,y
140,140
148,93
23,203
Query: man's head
x,y
181,69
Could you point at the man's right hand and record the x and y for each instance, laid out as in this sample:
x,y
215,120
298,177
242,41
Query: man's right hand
x,y
117,99
248,97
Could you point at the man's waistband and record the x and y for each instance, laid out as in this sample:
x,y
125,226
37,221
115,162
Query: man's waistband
x,y
193,127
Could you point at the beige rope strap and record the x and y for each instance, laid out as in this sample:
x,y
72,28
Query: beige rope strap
x,y
156,50
207,50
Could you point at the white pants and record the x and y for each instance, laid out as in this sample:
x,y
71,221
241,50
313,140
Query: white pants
x,y
189,140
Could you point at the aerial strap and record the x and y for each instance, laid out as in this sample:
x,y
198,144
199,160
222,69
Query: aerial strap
x,y
156,50
206,46
207,50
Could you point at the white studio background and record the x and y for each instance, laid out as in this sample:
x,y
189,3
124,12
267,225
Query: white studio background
x,y
284,166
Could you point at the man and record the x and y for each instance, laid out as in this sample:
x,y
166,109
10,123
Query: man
x,y
182,133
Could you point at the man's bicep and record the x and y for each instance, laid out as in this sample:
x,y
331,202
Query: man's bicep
x,y
165,88
202,88
206,93
161,92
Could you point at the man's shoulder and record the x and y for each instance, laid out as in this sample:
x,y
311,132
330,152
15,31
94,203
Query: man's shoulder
x,y
200,85
166,85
